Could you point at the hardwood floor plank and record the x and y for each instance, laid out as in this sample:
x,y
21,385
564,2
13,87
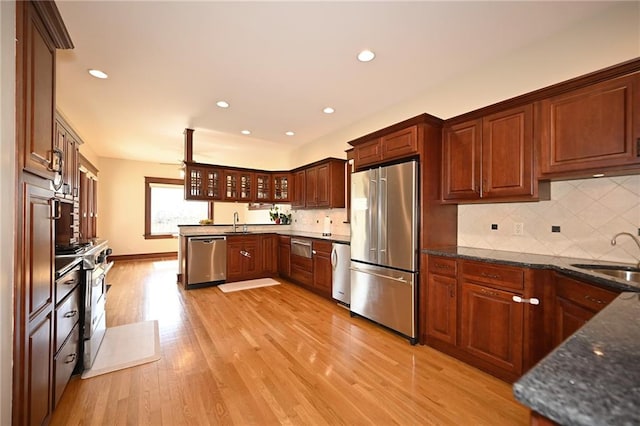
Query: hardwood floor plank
x,y
275,355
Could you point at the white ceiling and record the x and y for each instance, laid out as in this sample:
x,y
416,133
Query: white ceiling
x,y
277,63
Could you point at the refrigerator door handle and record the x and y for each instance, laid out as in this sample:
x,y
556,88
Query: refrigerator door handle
x,y
400,279
372,213
382,218
334,259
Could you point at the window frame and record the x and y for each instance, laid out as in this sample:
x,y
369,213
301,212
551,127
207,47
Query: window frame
x,y
147,205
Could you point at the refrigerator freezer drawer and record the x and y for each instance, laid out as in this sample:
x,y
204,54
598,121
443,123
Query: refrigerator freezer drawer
x,y
385,296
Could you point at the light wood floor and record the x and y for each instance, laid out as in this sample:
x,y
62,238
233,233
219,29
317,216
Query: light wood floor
x,y
273,355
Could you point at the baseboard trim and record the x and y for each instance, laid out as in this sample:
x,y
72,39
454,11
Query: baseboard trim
x,y
168,255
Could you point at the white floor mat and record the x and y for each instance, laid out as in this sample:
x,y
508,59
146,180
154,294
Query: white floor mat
x,y
245,285
126,346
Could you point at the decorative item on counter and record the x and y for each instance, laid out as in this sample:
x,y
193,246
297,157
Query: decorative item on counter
x,y
326,226
278,217
206,222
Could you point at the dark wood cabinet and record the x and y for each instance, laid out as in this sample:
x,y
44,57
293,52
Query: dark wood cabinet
x,y
490,158
244,259
395,145
37,310
238,185
591,129
323,185
36,54
491,326
575,303
269,254
281,187
202,182
322,270
88,205
368,153
461,161
441,289
302,270
67,145
403,143
39,32
299,189
264,189
284,256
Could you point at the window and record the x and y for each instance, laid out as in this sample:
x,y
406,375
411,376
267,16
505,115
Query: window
x,y
166,208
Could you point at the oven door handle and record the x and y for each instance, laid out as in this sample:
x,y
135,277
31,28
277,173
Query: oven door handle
x,y
108,267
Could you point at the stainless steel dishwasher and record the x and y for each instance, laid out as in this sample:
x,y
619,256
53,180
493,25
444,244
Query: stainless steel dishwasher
x,y
206,261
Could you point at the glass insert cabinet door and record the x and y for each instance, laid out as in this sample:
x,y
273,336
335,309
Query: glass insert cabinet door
x,y
281,187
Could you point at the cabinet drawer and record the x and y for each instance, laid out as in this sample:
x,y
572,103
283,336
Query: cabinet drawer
x,y
442,266
322,247
302,269
65,362
588,296
66,283
67,315
494,275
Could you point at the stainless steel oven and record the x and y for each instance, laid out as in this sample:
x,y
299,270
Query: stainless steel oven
x,y
96,267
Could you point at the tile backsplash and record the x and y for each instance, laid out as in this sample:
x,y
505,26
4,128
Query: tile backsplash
x,y
313,221
588,212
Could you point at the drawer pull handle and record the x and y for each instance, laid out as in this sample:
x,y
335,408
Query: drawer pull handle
x,y
442,266
490,293
593,299
492,276
245,253
71,282
70,358
531,301
71,314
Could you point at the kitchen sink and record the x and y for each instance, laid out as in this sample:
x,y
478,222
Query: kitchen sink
x,y
628,273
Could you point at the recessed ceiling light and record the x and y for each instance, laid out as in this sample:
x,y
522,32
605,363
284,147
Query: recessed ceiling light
x,y
223,104
289,133
98,74
245,132
328,110
366,56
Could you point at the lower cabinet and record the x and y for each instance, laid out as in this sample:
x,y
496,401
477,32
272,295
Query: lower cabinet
x,y
471,313
574,304
302,270
491,326
480,312
322,267
269,254
242,258
284,256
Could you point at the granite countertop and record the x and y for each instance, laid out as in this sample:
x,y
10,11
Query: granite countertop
x,y
593,378
540,261
227,230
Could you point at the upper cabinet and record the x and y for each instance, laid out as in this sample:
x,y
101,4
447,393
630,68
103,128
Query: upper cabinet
x,y
490,158
320,185
238,185
398,144
264,191
68,145
593,128
202,182
281,187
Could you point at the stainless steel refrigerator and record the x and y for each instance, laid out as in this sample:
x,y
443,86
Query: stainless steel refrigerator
x,y
384,246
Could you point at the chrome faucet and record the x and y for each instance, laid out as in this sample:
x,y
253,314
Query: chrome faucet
x,y
236,218
633,237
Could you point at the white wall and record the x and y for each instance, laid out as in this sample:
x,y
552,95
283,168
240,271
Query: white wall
x,y
611,38
7,207
121,205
